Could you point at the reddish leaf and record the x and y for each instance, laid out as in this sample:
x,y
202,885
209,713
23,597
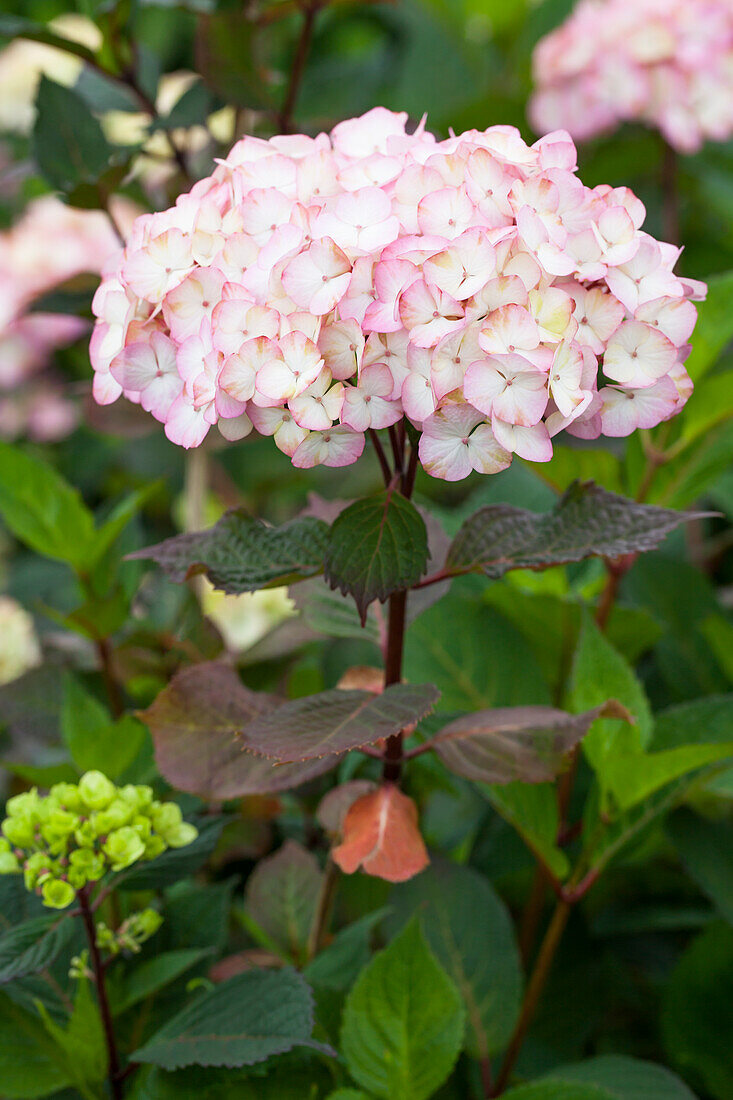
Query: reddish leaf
x,y
381,836
334,806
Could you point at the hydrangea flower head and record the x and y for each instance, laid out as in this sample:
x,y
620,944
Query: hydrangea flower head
x,y
314,289
668,63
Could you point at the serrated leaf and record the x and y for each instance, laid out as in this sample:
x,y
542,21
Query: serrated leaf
x,y
198,724
524,744
32,946
42,510
242,554
587,521
69,145
403,1021
376,546
281,896
333,722
469,929
240,1022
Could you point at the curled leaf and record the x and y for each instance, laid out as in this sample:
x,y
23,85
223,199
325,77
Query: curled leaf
x,y
382,837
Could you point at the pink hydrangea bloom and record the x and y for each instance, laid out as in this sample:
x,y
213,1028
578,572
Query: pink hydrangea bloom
x,y
668,63
314,289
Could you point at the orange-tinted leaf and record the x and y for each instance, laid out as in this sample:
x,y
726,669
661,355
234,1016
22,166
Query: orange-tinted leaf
x,y
382,837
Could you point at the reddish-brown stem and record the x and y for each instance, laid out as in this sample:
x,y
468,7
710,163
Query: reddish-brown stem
x,y
392,675
310,10
532,915
113,1061
397,450
114,695
537,982
408,482
485,1070
670,195
383,464
436,578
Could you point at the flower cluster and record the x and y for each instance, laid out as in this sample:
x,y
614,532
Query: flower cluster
x,y
79,831
316,288
665,62
49,245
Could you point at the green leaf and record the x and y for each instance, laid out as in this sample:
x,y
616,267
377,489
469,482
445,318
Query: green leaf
x,y
706,850
633,777
29,1059
441,648
403,1021
240,1022
82,1041
198,723
469,929
333,722
599,673
558,1090
69,145
32,946
700,721
531,809
527,744
228,56
338,965
190,110
697,1012
714,327
713,403
42,510
120,516
587,521
242,554
281,896
376,547
624,1078
347,1094
93,739
152,975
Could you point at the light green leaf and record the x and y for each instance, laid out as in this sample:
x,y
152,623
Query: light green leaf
x,y
713,403
240,1022
632,777
376,546
82,1042
469,929
42,510
599,673
93,739
403,1022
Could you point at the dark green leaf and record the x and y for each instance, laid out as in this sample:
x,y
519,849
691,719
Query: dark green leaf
x,y
17,26
242,554
148,977
403,1021
29,1059
527,744
175,863
81,1042
697,1012
196,724
714,327
240,1022
31,947
531,809
587,521
69,145
624,1078
333,722
471,933
229,58
337,966
706,850
376,547
190,110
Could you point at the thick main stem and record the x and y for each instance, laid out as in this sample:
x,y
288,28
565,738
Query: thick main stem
x,y
115,1082
392,675
537,983
297,71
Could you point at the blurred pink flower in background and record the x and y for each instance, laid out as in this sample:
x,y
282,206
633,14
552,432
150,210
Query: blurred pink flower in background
x,y
668,63
51,244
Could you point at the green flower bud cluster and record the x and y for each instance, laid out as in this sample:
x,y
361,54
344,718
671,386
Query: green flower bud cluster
x,y
133,932
78,832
